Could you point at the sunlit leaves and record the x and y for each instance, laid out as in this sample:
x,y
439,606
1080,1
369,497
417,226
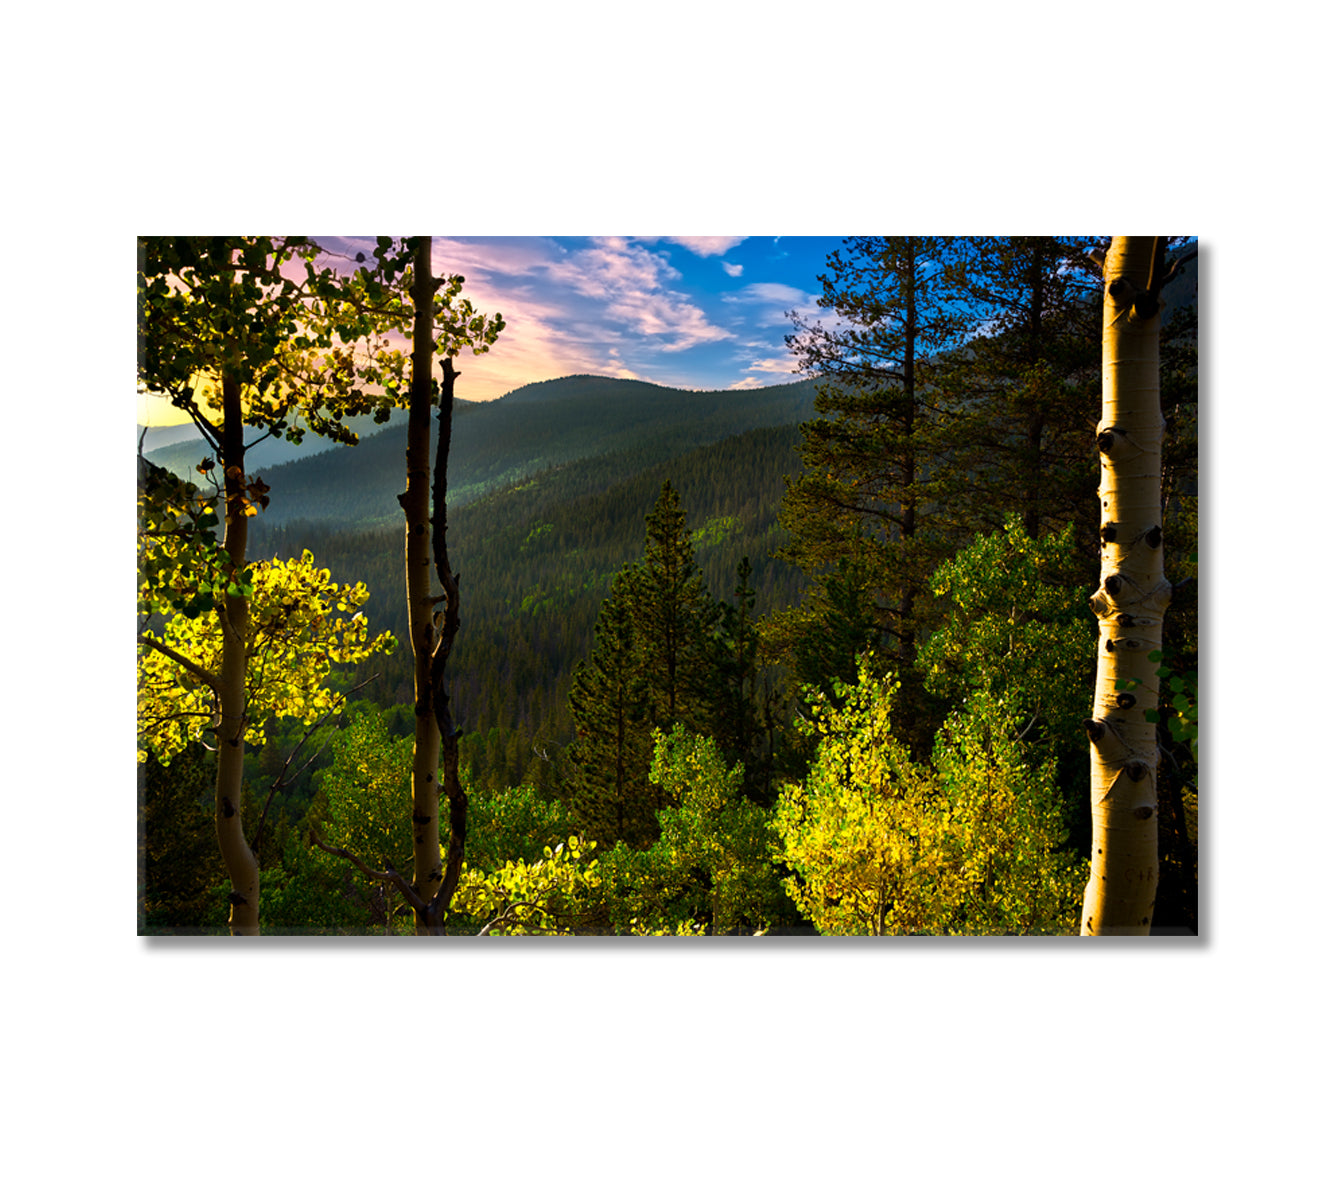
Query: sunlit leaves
x,y
857,832
879,843
301,625
552,894
713,862
1016,625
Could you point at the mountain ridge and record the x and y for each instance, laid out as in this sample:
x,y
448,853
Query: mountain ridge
x,y
501,443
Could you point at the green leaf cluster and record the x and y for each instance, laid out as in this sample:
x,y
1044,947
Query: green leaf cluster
x,y
712,866
1180,695
1017,625
967,843
181,564
301,625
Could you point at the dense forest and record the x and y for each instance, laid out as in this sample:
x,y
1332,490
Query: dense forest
x,y
809,659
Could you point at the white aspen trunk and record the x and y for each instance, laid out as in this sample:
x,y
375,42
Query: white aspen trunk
x,y
1130,601
242,867
416,502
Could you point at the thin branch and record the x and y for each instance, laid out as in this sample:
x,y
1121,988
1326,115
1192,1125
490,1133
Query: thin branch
x,y
149,725
509,917
388,875
281,781
184,400
1020,736
268,433
207,678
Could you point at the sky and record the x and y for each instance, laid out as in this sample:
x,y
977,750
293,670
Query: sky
x,y
686,312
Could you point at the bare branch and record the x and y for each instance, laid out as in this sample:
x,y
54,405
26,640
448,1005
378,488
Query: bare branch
x,y
207,678
508,915
281,781
268,433
388,875
148,726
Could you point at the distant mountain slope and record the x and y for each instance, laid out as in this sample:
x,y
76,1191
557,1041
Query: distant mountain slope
x,y
624,424
181,454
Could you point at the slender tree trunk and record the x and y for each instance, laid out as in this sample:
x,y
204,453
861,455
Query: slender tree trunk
x,y
416,503
1036,423
449,627
1130,600
907,633
242,866
620,763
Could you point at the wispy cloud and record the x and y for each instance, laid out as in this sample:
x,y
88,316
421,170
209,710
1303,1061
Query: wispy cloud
x,y
707,247
733,269
773,301
781,364
633,287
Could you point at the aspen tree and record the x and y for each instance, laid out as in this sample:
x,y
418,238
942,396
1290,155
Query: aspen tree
x,y
423,632
240,336
444,323
1132,595
237,341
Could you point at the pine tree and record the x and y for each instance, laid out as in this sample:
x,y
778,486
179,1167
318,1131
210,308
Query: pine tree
x,y
654,665
880,477
822,640
610,796
674,617
738,728
1027,384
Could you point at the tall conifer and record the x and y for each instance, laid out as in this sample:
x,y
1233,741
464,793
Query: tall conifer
x,y
654,665
1027,383
610,795
880,461
674,617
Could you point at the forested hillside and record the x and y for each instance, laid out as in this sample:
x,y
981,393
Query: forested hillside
x,y
626,424
813,658
537,559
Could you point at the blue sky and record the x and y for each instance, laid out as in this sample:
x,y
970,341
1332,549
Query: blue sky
x,y
694,312
689,312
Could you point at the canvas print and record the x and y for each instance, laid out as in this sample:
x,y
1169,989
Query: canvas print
x,y
753,586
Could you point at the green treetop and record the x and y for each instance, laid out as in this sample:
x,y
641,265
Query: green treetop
x,y
878,462
611,798
674,617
